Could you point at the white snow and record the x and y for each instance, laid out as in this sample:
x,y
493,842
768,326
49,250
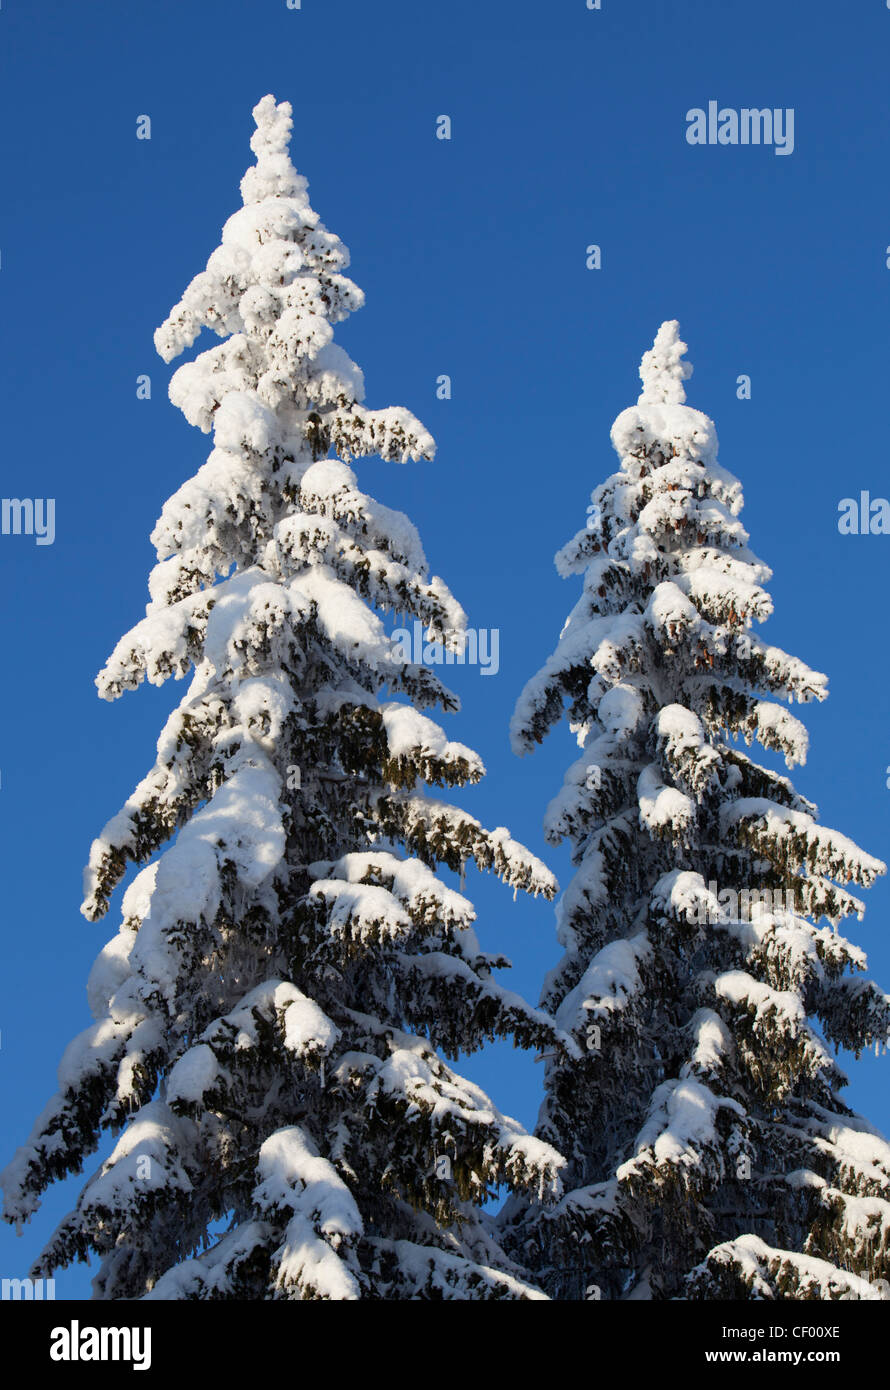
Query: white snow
x,y
761,1266
293,1177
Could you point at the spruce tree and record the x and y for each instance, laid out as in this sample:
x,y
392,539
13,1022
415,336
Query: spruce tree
x,y
271,1016
710,1153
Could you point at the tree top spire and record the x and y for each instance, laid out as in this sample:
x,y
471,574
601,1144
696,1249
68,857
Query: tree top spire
x,y
273,175
662,370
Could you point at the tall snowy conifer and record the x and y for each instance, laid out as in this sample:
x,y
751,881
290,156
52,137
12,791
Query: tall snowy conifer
x,y
710,1152
267,1016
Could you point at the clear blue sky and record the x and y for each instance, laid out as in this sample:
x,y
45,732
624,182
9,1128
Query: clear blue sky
x,y
568,129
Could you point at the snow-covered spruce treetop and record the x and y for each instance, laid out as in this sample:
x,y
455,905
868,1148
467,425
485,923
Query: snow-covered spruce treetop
x,y
268,1016
710,1154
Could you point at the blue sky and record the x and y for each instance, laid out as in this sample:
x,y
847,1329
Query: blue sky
x,y
568,129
